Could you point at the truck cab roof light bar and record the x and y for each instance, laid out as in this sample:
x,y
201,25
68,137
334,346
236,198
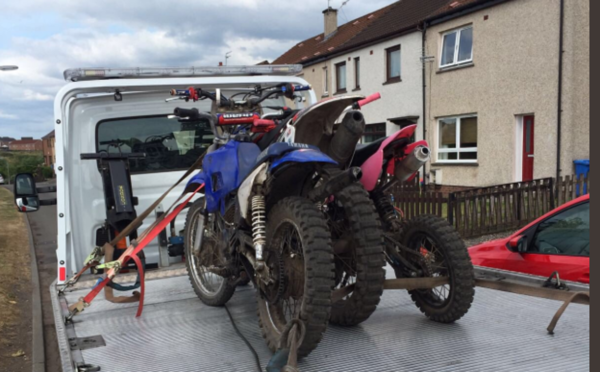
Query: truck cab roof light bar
x,y
80,74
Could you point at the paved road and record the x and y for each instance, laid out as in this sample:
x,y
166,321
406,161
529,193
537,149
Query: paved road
x,y
43,226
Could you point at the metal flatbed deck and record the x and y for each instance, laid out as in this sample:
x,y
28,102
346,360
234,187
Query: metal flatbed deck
x,y
177,332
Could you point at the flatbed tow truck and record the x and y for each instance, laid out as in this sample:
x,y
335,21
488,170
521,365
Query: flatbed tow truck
x,y
177,332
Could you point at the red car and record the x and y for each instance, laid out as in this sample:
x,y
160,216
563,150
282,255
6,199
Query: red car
x,y
557,241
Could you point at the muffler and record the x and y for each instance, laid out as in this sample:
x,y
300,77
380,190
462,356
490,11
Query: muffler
x,y
335,184
346,137
411,163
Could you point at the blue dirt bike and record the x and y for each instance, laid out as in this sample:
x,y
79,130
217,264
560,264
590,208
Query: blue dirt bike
x,y
259,219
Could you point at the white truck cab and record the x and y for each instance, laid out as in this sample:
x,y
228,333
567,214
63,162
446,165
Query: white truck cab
x,y
125,110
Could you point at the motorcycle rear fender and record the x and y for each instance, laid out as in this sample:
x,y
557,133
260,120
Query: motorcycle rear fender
x,y
260,174
372,168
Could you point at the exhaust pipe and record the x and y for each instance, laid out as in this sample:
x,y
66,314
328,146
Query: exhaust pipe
x,y
335,184
411,163
344,140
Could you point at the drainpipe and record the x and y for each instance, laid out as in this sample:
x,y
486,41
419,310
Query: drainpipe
x,y
424,118
560,68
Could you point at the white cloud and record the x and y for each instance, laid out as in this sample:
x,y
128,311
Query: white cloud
x,y
148,33
30,95
7,116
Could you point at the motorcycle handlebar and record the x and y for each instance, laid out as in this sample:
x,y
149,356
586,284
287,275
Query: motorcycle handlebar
x,y
194,114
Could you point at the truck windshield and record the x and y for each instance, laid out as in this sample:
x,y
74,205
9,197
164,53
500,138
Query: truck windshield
x,y
168,144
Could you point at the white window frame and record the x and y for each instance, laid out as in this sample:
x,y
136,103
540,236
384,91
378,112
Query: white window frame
x,y
456,47
325,78
458,149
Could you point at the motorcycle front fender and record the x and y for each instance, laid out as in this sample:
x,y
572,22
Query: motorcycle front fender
x,y
196,180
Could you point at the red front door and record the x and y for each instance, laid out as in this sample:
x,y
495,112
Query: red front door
x,y
528,148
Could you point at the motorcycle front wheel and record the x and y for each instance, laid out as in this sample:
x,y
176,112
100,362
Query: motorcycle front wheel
x,y
202,245
300,259
441,253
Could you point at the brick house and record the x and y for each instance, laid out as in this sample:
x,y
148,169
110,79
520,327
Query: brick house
x,y
48,149
25,144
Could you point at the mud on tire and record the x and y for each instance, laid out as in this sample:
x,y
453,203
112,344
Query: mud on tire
x,y
366,260
299,214
450,248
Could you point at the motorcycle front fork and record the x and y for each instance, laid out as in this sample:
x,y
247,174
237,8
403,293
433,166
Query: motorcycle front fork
x,y
399,256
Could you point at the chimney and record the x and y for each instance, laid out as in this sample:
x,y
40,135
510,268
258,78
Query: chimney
x,y
331,24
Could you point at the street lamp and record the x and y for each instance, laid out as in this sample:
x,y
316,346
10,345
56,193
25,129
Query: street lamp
x,y
227,55
8,168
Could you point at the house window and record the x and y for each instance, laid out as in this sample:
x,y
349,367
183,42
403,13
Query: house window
x,y
457,139
357,73
340,77
457,47
373,132
325,80
393,64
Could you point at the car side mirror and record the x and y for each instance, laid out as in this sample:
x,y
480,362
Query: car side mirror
x,y
517,244
26,197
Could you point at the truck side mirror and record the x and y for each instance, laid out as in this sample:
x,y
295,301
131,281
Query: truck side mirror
x,y
517,244
26,197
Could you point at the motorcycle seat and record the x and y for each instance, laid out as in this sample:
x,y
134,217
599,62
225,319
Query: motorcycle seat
x,y
365,151
280,148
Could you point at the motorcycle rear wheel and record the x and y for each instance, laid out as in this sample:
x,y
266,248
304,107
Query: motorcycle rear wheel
x,y
299,241
353,220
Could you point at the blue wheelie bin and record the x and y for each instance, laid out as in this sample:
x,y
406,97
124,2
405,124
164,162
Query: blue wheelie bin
x,y
582,167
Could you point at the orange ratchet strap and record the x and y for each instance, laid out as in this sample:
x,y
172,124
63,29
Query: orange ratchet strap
x,y
131,253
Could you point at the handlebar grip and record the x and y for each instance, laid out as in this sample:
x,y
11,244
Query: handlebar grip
x,y
263,123
369,99
298,88
180,92
181,112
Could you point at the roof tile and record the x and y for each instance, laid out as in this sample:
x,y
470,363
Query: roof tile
x,y
317,44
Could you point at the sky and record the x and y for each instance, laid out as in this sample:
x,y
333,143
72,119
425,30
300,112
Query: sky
x,y
46,37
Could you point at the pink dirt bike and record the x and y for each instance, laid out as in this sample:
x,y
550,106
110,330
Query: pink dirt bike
x,y
426,246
